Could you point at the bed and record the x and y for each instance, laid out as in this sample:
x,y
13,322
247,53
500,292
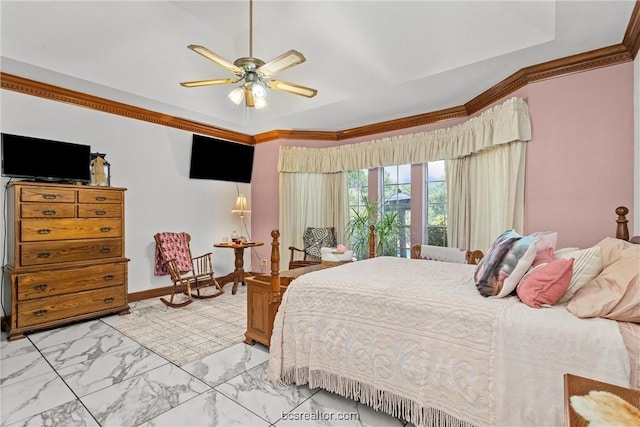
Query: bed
x,y
415,339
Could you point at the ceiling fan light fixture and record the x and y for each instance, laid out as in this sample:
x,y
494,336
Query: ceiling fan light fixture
x,y
237,95
258,91
253,74
260,103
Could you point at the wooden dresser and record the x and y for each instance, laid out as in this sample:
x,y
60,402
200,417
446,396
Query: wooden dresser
x,y
65,255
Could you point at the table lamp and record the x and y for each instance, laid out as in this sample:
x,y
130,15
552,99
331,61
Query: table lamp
x,y
241,207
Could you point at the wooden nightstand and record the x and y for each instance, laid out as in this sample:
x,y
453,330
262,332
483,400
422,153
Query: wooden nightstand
x,y
261,309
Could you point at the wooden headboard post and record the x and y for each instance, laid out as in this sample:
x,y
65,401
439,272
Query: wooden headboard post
x,y
275,296
622,232
372,241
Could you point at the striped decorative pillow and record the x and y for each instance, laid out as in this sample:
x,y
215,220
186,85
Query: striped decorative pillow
x,y
587,265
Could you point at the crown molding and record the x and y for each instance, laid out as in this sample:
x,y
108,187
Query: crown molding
x,y
604,57
403,123
631,38
60,94
598,58
311,135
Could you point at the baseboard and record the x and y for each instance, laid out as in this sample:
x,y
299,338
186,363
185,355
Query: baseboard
x,y
165,290
149,293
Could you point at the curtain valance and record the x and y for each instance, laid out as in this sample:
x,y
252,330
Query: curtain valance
x,y
498,125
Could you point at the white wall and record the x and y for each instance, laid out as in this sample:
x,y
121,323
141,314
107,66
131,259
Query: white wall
x,y
152,162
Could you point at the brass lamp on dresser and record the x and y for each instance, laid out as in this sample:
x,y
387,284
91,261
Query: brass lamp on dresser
x,y
65,255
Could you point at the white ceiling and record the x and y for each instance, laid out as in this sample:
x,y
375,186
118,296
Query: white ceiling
x,y
370,61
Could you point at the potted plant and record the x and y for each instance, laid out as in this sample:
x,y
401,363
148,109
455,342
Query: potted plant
x,y
387,229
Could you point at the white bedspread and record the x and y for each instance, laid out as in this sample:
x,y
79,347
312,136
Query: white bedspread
x,y
415,339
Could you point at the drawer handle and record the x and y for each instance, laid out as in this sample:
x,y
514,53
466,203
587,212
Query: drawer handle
x,y
107,300
43,254
48,196
40,313
101,198
108,277
105,229
40,287
48,212
105,249
101,212
44,231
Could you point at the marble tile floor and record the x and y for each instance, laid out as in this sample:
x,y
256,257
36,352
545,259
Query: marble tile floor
x,y
90,374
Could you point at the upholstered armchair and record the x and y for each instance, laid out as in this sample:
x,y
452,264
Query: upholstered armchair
x,y
314,238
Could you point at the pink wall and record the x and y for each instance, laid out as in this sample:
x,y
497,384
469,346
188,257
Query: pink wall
x,y
579,162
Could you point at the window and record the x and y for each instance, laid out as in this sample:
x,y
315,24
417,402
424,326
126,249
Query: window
x,y
436,203
358,186
394,204
396,190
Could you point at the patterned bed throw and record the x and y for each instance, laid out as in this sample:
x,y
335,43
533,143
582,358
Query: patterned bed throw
x,y
416,340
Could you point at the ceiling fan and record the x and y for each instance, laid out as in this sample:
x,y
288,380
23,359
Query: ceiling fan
x,y
254,74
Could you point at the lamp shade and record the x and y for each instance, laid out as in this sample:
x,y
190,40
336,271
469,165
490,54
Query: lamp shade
x,y
241,205
236,95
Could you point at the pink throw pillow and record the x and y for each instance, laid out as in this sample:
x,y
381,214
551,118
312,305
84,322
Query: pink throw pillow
x,y
547,281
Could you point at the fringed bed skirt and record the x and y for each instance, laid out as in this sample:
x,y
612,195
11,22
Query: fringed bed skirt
x,y
379,400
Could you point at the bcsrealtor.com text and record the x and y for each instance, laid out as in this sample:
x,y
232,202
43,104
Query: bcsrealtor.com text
x,y
319,416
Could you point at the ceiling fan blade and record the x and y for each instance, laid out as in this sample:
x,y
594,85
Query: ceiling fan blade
x,y
292,88
209,82
282,62
216,58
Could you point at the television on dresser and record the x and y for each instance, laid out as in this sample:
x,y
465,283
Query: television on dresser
x,y
45,160
221,160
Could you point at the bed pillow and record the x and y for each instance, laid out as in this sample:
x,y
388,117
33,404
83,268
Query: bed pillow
x,y
505,263
587,265
611,249
546,281
545,240
614,292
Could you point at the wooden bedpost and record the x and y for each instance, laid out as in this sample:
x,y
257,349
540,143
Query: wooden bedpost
x,y
622,232
275,296
372,241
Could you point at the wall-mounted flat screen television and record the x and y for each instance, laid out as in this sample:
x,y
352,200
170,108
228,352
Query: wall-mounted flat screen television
x,y
45,160
221,160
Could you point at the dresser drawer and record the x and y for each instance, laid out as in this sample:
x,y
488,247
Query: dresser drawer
x,y
47,194
36,230
69,251
48,309
99,196
99,210
47,210
57,282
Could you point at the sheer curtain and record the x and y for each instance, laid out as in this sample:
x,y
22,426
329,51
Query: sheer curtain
x,y
485,195
486,162
311,200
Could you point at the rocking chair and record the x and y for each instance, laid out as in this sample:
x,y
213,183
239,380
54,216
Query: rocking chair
x,y
173,257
